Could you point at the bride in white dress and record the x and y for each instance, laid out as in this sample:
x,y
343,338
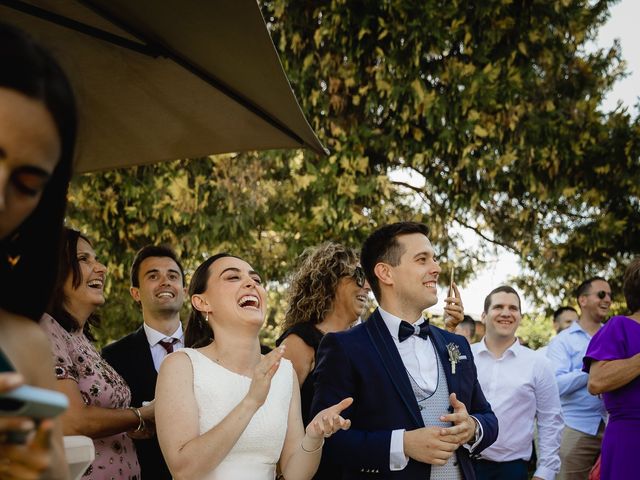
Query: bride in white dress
x,y
224,411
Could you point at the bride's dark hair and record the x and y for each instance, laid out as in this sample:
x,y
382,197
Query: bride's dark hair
x,y
198,332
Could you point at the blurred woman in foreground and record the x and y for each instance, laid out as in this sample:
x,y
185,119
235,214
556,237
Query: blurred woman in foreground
x,y
37,137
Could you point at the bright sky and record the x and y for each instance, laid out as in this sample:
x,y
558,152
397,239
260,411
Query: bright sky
x,y
622,25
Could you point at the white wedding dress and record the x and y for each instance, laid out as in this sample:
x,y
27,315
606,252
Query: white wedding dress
x,y
217,391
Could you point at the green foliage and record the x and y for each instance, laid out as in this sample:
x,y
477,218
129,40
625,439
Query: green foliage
x,y
535,330
494,107
489,108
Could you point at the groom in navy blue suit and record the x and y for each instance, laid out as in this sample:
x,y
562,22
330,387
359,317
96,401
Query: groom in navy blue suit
x,y
418,409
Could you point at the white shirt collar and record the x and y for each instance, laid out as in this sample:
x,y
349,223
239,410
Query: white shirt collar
x,y
393,323
515,348
154,336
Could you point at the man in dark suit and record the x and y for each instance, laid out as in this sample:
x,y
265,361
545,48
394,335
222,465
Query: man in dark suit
x,y
157,284
418,409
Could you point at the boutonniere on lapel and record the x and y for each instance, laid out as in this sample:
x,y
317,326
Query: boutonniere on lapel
x,y
454,356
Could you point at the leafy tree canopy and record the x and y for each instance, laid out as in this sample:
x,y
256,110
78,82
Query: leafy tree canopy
x,y
489,110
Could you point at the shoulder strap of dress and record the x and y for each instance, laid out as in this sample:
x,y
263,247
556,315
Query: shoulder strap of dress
x,y
308,333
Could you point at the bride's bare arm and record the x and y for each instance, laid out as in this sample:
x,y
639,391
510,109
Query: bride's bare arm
x,y
302,448
190,455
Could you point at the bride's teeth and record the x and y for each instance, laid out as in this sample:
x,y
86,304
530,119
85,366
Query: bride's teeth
x,y
244,301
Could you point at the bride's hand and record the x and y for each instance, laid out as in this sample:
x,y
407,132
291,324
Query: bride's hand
x,y
262,375
329,421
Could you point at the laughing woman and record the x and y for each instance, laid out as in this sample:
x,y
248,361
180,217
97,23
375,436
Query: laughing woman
x,y
224,411
98,397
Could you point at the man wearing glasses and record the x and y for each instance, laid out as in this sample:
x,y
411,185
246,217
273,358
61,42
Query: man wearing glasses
x,y
583,413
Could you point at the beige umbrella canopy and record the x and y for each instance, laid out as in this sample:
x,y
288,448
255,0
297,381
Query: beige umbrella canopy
x,y
166,79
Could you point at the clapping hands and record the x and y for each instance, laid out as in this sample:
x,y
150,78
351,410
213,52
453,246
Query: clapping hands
x,y
464,426
329,421
262,376
435,445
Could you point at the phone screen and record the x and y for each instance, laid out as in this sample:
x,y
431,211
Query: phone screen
x,y
28,401
453,272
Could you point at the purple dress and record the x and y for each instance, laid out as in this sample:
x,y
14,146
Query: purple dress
x,y
619,339
77,359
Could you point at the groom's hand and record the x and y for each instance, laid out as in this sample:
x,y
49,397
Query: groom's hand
x,y
464,426
426,445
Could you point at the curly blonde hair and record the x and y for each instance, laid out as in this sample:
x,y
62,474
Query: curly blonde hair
x,y
314,284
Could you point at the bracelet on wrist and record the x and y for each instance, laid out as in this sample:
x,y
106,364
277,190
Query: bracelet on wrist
x,y
140,419
311,451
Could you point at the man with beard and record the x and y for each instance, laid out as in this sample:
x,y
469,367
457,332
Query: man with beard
x,y
157,284
583,413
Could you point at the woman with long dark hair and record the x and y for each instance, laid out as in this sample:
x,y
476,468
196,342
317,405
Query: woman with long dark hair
x,y
37,137
99,398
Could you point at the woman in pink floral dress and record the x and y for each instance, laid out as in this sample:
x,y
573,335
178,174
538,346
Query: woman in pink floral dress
x,y
98,396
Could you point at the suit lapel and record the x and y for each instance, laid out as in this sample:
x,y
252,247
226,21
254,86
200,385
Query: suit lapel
x,y
144,357
386,348
441,349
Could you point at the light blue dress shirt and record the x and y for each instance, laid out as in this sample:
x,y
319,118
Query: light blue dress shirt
x,y
581,410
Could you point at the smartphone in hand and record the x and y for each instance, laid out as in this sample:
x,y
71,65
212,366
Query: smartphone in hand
x,y
32,402
450,322
451,280
27,401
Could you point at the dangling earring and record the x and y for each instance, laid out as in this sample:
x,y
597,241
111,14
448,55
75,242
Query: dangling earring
x,y
13,259
206,318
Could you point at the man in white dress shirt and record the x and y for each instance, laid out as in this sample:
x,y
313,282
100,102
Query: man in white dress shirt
x,y
521,387
157,284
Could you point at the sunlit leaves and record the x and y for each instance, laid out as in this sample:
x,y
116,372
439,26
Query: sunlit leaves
x,y
490,108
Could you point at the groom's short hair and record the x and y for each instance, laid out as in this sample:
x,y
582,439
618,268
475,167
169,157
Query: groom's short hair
x,y
383,246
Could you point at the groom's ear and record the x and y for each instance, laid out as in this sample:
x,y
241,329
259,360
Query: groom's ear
x,y
384,273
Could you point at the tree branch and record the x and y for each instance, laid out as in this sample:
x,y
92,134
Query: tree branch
x,y
477,231
410,187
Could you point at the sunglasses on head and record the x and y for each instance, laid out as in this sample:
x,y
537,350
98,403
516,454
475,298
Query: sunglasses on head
x,y
601,294
358,276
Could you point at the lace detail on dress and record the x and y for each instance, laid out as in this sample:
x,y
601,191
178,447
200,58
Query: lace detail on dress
x,y
217,391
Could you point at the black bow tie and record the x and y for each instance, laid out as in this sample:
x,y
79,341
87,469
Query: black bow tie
x,y
406,330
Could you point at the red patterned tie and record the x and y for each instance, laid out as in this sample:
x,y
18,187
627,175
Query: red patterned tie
x,y
168,344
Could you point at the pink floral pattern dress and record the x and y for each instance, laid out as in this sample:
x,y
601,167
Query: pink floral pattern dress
x,y
100,385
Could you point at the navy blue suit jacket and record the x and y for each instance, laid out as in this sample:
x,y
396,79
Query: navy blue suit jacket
x,y
131,358
364,363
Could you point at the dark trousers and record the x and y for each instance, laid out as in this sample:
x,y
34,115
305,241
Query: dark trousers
x,y
513,470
